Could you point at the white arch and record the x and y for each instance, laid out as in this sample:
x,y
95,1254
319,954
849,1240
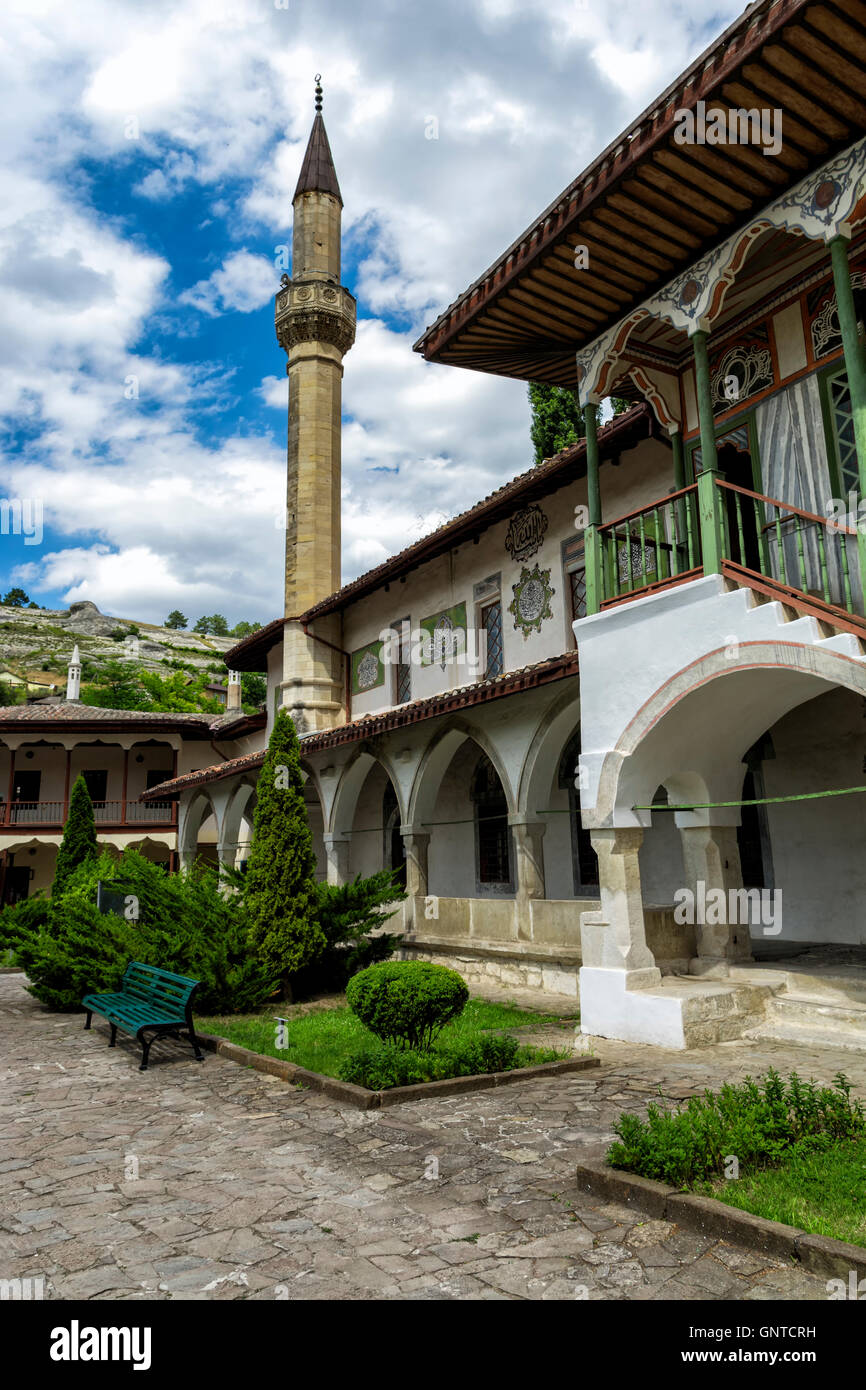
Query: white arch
x,y
684,737
438,757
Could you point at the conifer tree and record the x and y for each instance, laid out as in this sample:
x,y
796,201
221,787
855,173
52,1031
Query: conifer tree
x,y
79,836
281,893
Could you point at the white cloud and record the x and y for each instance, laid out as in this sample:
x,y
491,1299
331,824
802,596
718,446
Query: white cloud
x,y
214,98
243,282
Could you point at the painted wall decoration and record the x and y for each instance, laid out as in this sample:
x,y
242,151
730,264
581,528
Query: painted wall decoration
x,y
447,633
742,370
525,532
368,671
531,602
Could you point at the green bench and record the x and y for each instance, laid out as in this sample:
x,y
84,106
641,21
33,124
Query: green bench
x,y
150,1001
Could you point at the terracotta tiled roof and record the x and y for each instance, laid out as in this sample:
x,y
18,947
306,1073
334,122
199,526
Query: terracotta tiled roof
x,y
231,725
480,692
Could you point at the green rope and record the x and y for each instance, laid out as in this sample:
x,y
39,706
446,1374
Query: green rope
x,y
760,801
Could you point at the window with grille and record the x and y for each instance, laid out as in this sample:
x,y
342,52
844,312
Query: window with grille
x,y
842,415
491,623
577,583
492,834
403,665
584,860
574,565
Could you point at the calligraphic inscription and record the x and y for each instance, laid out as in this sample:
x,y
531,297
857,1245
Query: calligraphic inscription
x,y
525,532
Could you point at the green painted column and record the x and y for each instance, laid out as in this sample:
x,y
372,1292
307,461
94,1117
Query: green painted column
x,y
593,487
592,540
855,358
709,458
710,509
679,459
855,366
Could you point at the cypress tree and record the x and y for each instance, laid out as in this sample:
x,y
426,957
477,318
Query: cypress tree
x,y
281,893
79,836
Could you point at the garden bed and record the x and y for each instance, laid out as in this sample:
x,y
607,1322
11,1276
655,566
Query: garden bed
x,y
320,1040
777,1164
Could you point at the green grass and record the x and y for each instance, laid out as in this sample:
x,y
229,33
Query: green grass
x,y
321,1040
821,1193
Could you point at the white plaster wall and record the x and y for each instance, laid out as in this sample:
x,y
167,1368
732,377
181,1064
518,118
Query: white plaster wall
x,y
661,860
643,474
818,846
366,842
451,859
662,635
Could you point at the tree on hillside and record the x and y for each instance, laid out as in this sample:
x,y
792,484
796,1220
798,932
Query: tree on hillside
x,y
175,620
118,687
254,688
218,625
244,629
16,598
79,836
281,893
557,419
202,626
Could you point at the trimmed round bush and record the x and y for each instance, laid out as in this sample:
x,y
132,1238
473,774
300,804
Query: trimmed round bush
x,y
407,1002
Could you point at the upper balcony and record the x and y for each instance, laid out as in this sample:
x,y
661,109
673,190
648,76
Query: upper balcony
x,y
108,815
809,562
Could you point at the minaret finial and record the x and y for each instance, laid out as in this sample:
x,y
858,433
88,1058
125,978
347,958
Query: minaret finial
x,y
318,91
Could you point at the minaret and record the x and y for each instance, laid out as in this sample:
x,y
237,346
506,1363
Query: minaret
x,y
315,320
73,677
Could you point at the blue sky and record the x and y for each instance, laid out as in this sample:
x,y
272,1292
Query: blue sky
x,y
149,155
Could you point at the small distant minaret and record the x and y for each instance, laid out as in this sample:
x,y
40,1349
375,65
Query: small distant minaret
x,y
233,690
73,677
315,322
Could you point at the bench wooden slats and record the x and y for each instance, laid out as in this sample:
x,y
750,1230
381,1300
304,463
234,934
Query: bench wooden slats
x,y
150,1000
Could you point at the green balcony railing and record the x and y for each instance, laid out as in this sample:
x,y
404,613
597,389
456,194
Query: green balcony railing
x,y
715,527
651,547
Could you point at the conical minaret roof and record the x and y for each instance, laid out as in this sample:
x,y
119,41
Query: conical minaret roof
x,y
318,174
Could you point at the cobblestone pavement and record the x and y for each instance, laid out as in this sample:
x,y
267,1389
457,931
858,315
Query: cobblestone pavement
x,y
212,1181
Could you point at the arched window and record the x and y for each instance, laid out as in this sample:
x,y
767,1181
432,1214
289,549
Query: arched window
x,y
493,855
584,860
393,849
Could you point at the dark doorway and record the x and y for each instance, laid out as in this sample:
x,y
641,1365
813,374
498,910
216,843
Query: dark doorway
x,y
394,857
735,466
16,884
26,785
97,785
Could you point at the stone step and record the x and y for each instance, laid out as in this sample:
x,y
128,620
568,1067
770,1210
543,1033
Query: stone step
x,y
808,1035
809,1009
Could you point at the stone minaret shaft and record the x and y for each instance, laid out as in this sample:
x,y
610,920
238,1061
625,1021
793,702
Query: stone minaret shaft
x,y
315,320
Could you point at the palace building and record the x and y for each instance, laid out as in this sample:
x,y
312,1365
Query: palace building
x,y
609,722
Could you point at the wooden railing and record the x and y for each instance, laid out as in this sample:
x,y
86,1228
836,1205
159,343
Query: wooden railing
x,y
650,548
716,527
113,813
798,551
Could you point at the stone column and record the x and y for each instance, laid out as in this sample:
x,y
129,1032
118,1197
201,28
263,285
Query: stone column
x,y
337,853
417,845
711,859
528,837
615,937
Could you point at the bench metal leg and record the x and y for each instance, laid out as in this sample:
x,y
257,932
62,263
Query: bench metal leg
x,y
195,1047
145,1052
113,1035
89,1017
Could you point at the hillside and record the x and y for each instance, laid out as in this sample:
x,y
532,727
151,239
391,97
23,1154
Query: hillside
x,y
42,639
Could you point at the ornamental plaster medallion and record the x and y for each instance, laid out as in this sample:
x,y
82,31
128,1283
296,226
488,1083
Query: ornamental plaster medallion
x,y
525,532
531,602
368,671
444,641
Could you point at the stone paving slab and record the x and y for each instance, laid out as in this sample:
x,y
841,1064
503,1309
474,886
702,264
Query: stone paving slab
x,y
212,1181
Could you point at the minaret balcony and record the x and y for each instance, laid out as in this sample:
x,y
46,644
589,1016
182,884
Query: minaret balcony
x,y
315,311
